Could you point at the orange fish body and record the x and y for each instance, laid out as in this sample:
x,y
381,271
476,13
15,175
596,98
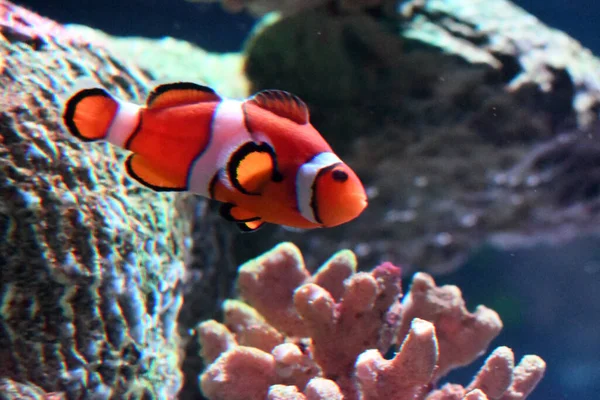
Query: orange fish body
x,y
260,157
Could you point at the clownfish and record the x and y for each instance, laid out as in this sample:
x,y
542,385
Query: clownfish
x,y
260,157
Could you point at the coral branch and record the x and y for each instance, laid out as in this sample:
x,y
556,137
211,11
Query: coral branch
x,y
249,326
268,283
495,377
498,379
462,336
322,389
293,366
282,392
216,339
341,331
334,272
240,373
526,376
408,373
475,395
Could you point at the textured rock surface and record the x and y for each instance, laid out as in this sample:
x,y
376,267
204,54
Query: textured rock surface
x,y
486,32
211,262
453,114
11,390
211,269
91,262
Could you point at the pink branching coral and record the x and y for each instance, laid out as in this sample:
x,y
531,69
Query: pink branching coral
x,y
324,336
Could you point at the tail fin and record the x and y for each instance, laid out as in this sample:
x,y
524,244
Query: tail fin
x,y
89,113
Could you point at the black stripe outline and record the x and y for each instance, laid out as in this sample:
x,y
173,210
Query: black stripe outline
x,y
313,201
213,183
297,205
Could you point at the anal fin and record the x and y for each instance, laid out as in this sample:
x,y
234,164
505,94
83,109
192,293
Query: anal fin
x,y
232,212
246,220
142,170
252,226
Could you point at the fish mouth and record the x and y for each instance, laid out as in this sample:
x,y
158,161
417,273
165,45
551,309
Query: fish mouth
x,y
363,203
360,202
346,210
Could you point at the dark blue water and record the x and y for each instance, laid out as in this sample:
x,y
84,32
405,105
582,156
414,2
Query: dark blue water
x,y
204,24
212,29
549,304
579,18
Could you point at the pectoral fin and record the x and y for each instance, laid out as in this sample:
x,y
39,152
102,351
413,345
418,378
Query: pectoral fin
x,y
251,167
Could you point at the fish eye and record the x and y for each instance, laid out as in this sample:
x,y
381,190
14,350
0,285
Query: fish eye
x,y
339,176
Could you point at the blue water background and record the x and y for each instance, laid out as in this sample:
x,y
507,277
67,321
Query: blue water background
x,y
212,29
202,23
578,18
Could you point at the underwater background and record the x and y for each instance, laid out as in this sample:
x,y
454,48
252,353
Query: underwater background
x,y
509,214
226,32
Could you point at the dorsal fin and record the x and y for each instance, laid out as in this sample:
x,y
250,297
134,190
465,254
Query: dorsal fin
x,y
179,94
282,103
